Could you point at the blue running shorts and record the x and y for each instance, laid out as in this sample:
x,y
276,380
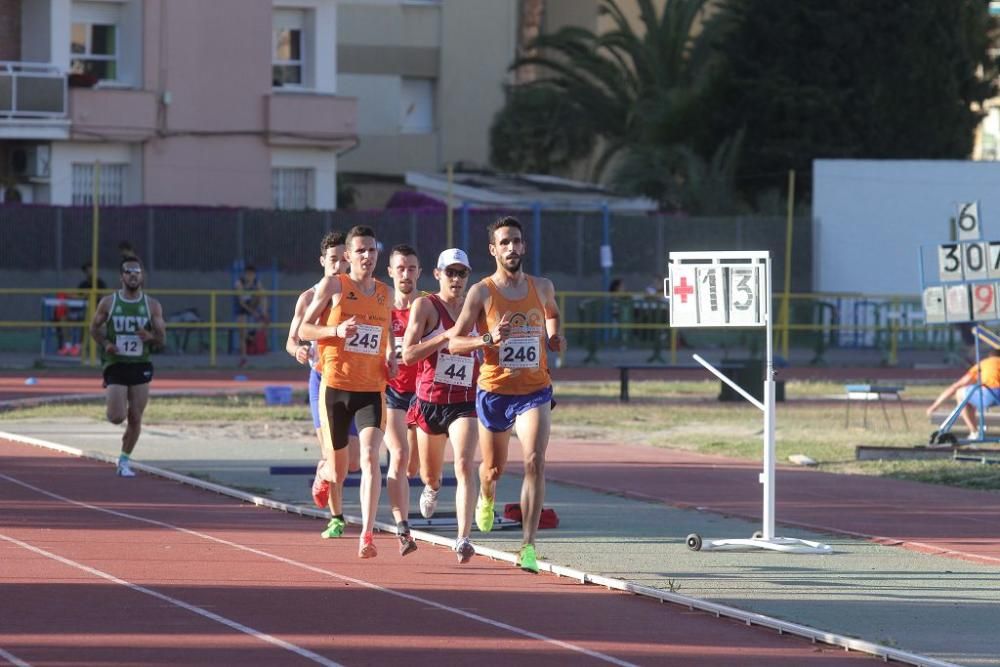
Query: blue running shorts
x,y
990,396
497,412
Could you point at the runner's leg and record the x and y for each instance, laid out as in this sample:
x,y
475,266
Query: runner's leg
x,y
533,428
397,483
371,476
138,397
464,439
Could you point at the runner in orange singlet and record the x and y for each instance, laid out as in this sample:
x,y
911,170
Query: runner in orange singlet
x,y
520,318
358,353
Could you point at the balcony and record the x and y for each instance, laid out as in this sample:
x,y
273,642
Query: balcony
x,y
32,101
311,119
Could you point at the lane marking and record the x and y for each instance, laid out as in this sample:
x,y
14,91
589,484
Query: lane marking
x,y
13,659
304,566
235,625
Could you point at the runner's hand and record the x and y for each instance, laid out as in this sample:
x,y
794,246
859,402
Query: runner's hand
x,y
302,354
556,343
391,367
503,329
144,335
111,348
348,326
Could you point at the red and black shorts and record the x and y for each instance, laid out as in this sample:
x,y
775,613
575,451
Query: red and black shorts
x,y
435,418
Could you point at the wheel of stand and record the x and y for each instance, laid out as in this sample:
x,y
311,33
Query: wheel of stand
x,y
947,439
933,440
694,542
757,535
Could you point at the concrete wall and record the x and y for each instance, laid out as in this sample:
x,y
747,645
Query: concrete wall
x,y
872,216
10,29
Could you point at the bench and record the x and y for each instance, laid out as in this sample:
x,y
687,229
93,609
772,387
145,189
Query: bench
x,y
731,369
864,392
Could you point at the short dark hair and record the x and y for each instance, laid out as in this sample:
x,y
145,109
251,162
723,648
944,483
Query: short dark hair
x,y
128,260
405,250
359,230
503,221
249,267
331,240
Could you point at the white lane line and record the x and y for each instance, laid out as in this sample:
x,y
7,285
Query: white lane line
x,y
305,566
13,659
257,634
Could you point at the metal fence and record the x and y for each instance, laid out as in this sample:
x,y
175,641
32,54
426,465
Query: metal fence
x,y
566,244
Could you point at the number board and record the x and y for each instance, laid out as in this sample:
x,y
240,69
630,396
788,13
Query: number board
x,y
718,289
968,222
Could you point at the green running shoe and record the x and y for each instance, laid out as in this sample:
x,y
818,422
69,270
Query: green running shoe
x,y
527,560
333,529
484,514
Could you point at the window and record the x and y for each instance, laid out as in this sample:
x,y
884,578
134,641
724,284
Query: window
x,y
94,50
288,49
290,188
112,184
416,113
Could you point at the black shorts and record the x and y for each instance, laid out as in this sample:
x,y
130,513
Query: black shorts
x,y
338,407
435,418
399,400
128,374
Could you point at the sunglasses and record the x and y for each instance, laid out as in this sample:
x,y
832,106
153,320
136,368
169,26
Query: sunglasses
x,y
132,271
456,273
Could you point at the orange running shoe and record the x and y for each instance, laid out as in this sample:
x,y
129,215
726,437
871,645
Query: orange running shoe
x,y
367,548
320,488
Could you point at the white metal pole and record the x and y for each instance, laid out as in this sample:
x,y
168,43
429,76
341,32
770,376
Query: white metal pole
x,y
767,478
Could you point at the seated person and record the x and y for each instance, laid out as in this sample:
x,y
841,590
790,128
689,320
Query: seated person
x,y
251,306
63,312
987,394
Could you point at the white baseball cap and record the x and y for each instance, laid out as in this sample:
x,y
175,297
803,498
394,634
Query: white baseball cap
x,y
453,256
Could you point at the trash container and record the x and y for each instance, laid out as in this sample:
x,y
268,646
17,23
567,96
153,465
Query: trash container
x,y
748,374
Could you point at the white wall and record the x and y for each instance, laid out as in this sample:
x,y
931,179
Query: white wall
x,y
872,216
324,166
64,154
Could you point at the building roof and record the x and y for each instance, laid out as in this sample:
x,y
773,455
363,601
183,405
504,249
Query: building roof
x,y
483,189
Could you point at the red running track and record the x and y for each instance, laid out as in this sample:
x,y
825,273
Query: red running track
x,y
100,570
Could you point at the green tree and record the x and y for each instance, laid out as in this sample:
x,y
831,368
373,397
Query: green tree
x,y
630,99
877,79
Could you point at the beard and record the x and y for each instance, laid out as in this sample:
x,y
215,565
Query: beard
x,y
513,264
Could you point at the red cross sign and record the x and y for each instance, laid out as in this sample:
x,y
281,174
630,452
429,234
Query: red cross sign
x,y
683,290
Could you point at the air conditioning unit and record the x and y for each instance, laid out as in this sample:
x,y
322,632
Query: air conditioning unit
x,y
30,161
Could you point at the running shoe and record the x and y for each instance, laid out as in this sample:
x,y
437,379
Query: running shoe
x,y
407,545
320,488
334,529
465,550
367,548
484,514
527,560
428,502
124,469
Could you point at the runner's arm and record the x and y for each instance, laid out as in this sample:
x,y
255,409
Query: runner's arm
x,y
459,342
310,329
556,342
293,344
421,316
159,332
949,392
100,318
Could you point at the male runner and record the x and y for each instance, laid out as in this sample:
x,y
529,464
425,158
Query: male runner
x,y
358,353
124,326
521,322
333,262
404,269
446,394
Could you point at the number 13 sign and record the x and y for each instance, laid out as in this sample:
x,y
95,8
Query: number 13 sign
x,y
718,289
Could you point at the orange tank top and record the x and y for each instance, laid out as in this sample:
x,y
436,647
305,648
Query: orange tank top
x,y
519,365
357,363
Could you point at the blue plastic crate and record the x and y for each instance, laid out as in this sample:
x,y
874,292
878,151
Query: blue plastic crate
x,y
278,394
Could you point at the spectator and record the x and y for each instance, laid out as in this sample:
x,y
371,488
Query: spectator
x,y
63,312
251,308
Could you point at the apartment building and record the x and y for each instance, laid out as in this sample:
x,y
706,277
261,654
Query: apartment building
x,y
228,102
428,76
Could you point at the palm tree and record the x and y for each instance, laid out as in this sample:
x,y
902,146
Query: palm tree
x,y
628,88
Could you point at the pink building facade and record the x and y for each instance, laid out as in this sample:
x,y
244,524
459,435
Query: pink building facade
x,y
228,102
